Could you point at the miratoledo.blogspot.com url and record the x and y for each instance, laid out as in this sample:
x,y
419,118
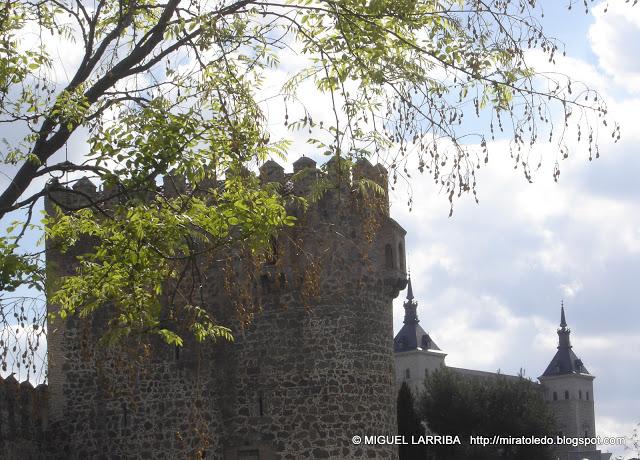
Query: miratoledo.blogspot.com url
x,y
488,440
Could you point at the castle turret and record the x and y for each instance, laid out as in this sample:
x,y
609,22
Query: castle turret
x,y
568,389
271,171
416,354
299,379
305,174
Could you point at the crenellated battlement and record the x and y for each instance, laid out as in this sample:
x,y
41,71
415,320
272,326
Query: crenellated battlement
x,y
300,181
23,415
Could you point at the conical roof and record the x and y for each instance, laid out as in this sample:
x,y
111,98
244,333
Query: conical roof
x,y
412,336
565,360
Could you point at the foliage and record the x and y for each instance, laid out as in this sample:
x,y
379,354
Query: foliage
x,y
177,86
409,425
467,406
15,270
138,246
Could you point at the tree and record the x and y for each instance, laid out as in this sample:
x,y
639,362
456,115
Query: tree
x,y
175,87
409,425
457,405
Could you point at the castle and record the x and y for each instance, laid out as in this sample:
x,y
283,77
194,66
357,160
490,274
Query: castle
x,y
566,384
313,368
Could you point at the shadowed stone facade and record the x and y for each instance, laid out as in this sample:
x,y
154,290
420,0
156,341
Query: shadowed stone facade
x,y
308,373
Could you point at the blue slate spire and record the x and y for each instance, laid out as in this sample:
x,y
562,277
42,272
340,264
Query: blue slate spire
x,y
412,336
565,360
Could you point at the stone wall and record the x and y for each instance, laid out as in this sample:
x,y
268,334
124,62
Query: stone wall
x,y
414,366
23,419
575,414
312,369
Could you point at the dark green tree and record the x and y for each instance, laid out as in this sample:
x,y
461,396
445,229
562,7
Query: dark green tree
x,y
453,404
409,425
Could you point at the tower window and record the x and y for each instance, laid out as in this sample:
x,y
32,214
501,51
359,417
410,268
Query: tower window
x,y
587,396
401,256
555,396
125,415
579,394
566,394
388,256
265,283
407,373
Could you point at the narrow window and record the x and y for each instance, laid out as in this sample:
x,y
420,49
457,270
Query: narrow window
x,y
265,283
579,394
587,396
555,396
125,415
407,373
388,256
401,257
566,394
260,405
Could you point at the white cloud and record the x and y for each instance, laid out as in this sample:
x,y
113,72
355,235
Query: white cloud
x,y
65,54
572,288
615,39
610,427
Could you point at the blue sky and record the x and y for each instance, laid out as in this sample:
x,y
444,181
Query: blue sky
x,y
489,280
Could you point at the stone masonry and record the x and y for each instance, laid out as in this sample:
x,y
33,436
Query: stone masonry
x,y
309,372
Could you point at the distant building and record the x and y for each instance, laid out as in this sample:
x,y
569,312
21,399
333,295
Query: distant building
x,y
566,384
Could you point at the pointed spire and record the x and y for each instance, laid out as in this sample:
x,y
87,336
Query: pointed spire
x,y
563,331
565,361
409,289
410,306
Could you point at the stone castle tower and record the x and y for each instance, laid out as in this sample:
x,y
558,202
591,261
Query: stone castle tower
x,y
568,389
306,375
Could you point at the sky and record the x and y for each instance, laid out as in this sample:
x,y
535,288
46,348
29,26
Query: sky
x,y
489,279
